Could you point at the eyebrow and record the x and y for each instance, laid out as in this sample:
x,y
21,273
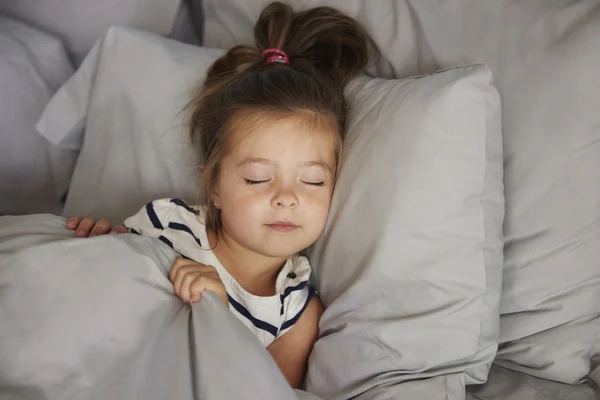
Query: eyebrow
x,y
318,164
258,160
253,160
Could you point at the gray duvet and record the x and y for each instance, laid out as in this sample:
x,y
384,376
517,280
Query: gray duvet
x,y
97,319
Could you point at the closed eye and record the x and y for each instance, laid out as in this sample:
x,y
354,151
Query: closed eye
x,y
251,182
314,183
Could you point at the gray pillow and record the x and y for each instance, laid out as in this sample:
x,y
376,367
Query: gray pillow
x,y
128,96
34,174
409,266
79,23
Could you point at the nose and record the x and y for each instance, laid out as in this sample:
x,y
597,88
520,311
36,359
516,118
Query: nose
x,y
285,197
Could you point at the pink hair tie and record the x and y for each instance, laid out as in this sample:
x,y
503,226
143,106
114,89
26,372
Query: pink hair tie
x,y
278,56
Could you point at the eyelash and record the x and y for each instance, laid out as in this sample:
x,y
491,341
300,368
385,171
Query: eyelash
x,y
250,182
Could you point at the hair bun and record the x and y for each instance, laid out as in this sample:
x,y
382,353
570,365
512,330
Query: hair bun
x,y
322,40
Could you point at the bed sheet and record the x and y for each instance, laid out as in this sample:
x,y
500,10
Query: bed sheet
x,y
79,23
504,384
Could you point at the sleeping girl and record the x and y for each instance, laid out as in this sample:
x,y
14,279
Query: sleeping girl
x,y
269,121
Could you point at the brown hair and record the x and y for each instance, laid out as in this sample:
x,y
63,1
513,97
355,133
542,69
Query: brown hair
x,y
326,49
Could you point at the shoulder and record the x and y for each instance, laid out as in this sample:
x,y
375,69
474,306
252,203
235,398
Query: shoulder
x,y
306,329
301,267
180,206
153,215
294,288
162,213
312,314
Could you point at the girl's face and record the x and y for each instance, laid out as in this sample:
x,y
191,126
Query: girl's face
x,y
276,181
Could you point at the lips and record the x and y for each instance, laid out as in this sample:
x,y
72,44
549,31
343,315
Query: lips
x,y
283,226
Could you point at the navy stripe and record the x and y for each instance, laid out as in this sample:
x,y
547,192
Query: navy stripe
x,y
184,228
265,326
292,321
166,241
131,230
170,244
181,203
291,289
153,217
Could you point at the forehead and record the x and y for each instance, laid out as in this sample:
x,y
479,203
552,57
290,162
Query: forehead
x,y
298,136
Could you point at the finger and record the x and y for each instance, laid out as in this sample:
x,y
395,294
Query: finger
x,y
180,263
101,227
73,222
184,270
85,226
202,282
210,283
195,297
184,289
216,284
119,229
177,264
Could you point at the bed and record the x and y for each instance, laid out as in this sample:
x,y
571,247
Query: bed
x,y
471,167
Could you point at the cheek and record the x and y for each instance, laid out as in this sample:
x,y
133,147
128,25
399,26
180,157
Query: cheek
x,y
318,206
243,204
239,215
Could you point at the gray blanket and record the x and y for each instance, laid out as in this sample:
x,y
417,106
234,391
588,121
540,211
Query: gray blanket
x,y
97,319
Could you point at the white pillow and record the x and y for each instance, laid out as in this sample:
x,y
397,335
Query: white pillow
x,y
80,23
34,174
545,56
421,177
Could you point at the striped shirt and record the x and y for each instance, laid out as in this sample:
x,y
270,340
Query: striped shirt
x,y
182,228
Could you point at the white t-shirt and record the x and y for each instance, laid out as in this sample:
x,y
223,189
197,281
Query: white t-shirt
x,y
182,228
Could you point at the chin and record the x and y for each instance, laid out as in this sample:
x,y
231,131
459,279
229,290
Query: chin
x,y
278,250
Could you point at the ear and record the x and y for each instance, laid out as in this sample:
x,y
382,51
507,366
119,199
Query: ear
x,y
214,196
216,199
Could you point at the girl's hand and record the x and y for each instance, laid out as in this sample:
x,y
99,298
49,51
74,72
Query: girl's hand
x,y
88,226
190,278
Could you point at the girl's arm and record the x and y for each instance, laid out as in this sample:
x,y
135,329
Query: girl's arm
x,y
291,351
